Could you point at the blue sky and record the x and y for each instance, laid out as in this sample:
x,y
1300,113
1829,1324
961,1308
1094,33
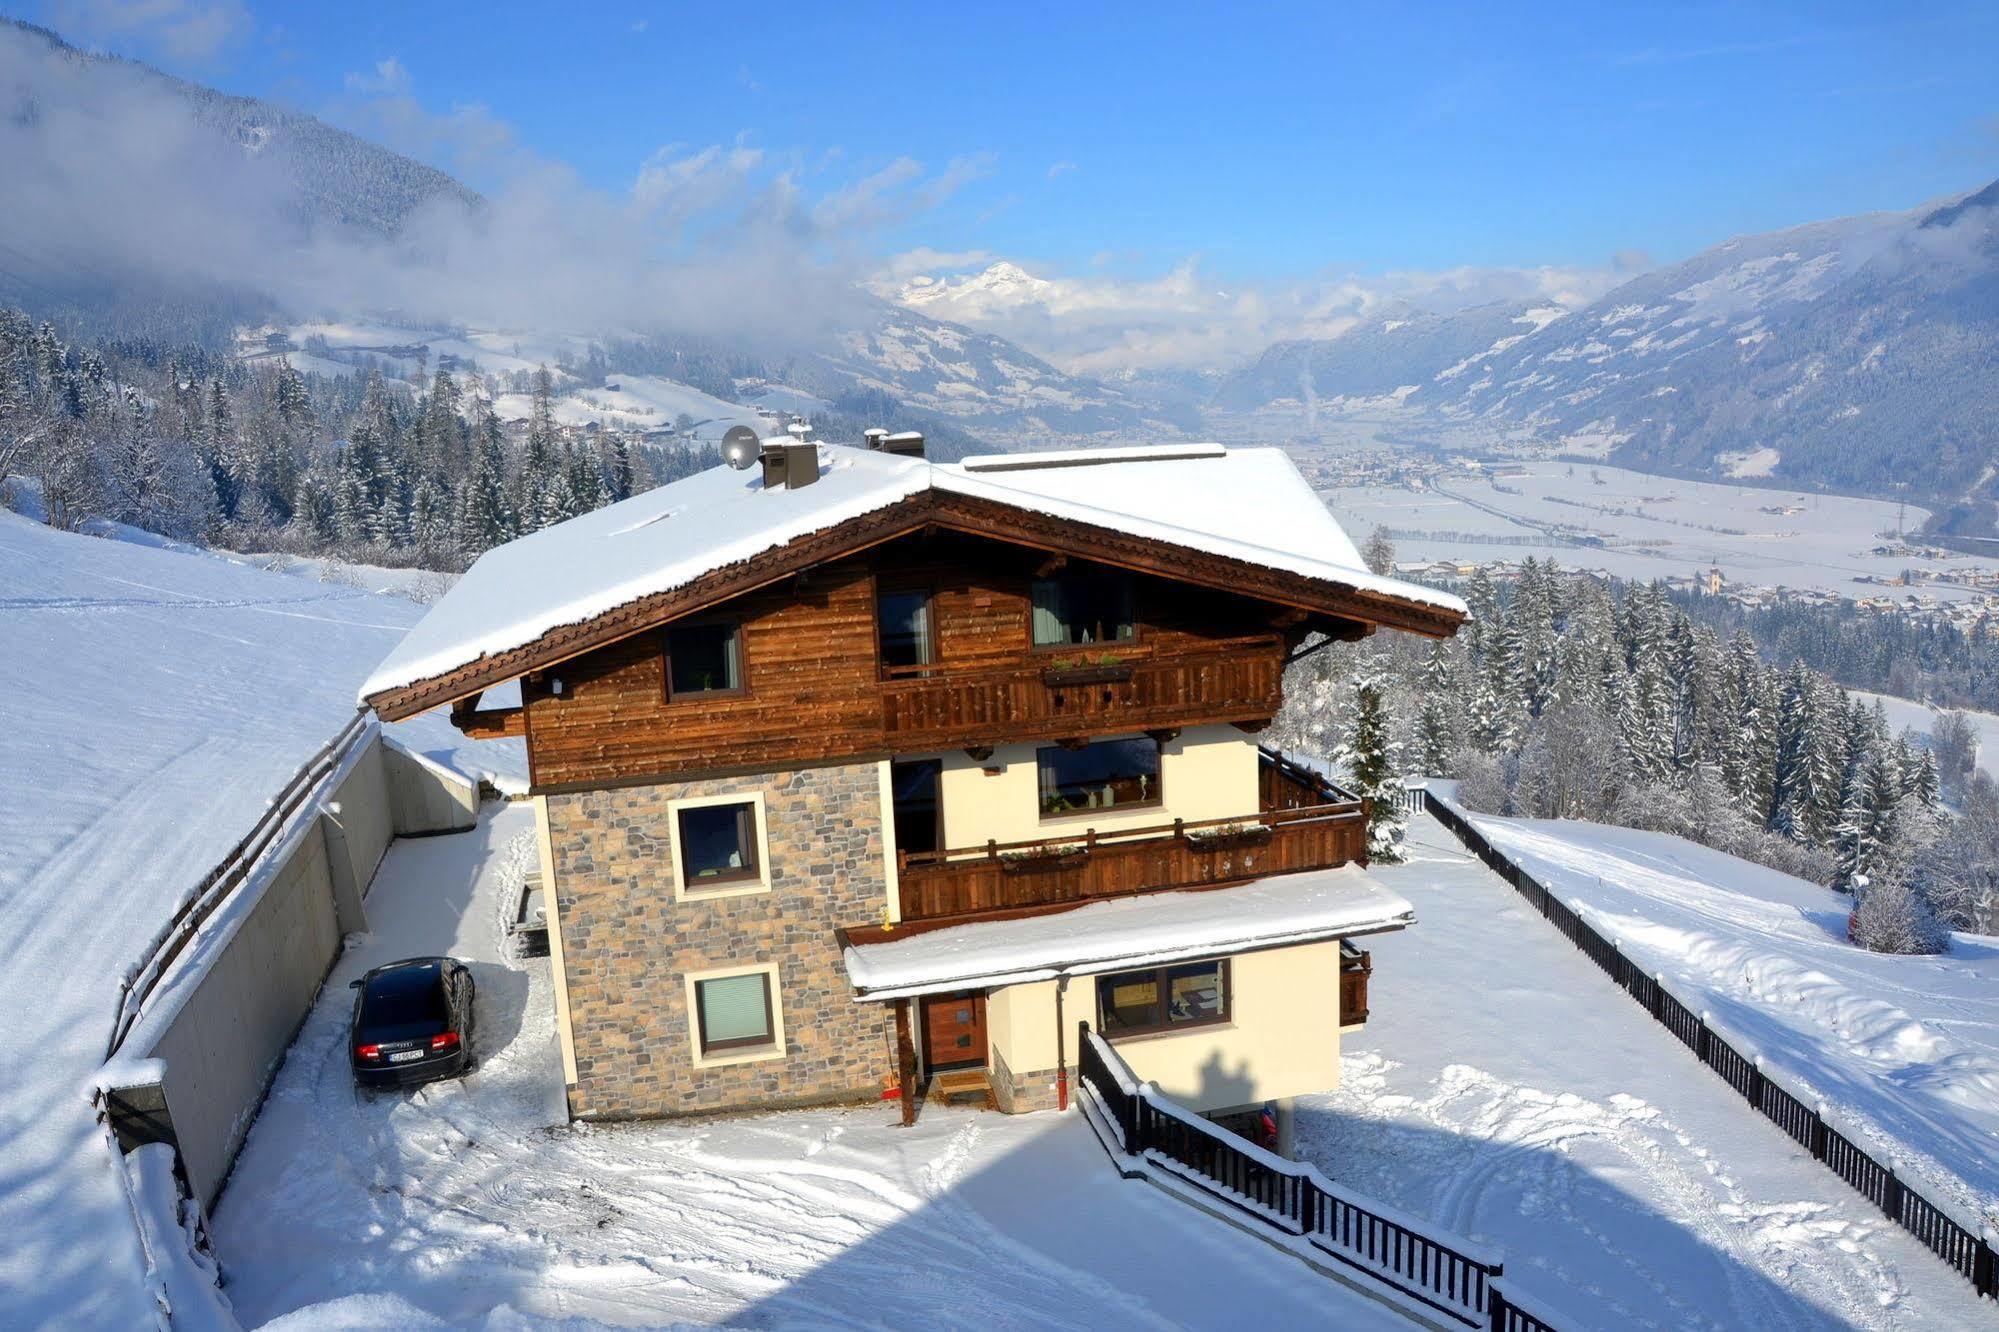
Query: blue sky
x,y
1200,179
1268,141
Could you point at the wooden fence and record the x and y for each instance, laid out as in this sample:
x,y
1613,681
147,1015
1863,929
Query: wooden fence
x,y
1970,1253
1297,1202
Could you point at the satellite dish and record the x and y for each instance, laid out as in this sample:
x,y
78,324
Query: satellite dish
x,y
740,447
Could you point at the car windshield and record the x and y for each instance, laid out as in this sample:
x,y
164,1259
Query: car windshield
x,y
409,997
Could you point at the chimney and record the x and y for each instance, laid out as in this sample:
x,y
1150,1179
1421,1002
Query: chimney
x,y
801,465
789,463
908,443
873,436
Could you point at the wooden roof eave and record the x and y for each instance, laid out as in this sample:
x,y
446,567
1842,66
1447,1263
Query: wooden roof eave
x,y
930,509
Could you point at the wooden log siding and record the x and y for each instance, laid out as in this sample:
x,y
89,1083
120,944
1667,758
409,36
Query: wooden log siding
x,y
814,687
1085,866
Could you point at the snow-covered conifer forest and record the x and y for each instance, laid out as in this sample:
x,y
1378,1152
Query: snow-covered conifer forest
x,y
1566,697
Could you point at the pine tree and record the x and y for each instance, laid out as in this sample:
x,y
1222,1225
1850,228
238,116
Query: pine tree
x,y
1370,756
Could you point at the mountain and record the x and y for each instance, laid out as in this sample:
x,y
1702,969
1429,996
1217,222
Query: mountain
x,y
1854,354
162,208
999,287
992,385
106,154
1389,355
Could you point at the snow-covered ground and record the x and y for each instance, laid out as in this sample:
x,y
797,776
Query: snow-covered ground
x,y
1652,527
1903,714
1503,1087
1905,1050
156,701
462,1201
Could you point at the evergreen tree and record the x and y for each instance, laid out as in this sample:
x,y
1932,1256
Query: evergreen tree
x,y
1370,756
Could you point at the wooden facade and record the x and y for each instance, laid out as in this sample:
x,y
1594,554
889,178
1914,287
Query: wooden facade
x,y
814,688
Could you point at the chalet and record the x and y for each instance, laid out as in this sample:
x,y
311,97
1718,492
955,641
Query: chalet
x,y
857,774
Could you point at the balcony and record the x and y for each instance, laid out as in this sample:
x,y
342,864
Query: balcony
x,y
1356,965
936,707
1092,866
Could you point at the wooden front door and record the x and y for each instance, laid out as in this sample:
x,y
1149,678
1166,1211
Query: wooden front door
x,y
954,1031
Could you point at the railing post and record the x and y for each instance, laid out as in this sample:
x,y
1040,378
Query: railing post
x,y
1891,1195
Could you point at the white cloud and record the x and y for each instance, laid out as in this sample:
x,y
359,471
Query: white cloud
x,y
1062,168
1102,322
191,31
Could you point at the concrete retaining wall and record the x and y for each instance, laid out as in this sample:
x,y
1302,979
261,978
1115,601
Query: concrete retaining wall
x,y
214,1039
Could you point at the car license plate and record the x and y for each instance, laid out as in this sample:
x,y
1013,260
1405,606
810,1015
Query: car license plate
x,y
404,1056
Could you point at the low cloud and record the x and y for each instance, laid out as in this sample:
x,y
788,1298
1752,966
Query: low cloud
x,y
115,181
1185,318
193,32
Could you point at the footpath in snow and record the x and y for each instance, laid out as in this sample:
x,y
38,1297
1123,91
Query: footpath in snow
x,y
470,1202
1506,1089
156,701
1903,1050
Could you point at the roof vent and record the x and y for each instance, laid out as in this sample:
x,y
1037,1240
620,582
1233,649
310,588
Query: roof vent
x,y
908,443
789,463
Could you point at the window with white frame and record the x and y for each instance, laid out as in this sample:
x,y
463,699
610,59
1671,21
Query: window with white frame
x,y
719,846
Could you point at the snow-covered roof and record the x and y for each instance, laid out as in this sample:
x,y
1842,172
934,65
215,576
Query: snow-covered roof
x,y
1244,504
1150,929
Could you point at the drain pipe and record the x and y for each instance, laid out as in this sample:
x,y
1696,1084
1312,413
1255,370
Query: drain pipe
x,y
1061,1045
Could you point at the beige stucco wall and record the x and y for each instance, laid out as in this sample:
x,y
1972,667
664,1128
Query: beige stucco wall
x,y
1207,772
1282,1038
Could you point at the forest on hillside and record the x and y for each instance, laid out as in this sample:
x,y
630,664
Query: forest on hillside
x,y
1568,697
251,454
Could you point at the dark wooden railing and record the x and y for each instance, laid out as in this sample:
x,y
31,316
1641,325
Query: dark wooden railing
x,y
1356,965
1294,1200
1027,701
1949,1239
1284,783
1089,865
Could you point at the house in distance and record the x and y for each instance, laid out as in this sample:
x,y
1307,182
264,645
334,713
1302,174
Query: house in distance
x,y
859,774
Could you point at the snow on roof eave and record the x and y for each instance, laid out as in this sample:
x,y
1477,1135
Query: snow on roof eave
x,y
1366,907
853,483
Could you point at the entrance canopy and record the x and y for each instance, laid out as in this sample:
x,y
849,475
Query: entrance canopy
x,y
1147,930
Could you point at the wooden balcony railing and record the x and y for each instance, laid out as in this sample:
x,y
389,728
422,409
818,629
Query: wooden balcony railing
x,y
1356,965
1032,700
1090,865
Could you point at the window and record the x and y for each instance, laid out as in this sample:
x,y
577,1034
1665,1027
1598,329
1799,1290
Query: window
x,y
1136,1003
1110,774
1083,608
919,807
704,659
734,1012
902,620
718,844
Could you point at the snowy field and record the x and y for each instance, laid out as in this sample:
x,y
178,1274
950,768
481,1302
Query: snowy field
x,y
1653,527
1921,718
1505,1088
158,700
1905,1050
469,1203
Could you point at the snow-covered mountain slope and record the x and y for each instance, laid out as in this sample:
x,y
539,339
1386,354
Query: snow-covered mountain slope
x,y
279,165
156,701
1903,1050
1400,351
1855,353
1506,1088
989,383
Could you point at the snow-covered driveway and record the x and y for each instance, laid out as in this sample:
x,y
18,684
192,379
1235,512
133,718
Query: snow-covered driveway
x,y
463,1200
1503,1087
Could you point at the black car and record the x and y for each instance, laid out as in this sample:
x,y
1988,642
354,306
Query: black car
x,y
412,1022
